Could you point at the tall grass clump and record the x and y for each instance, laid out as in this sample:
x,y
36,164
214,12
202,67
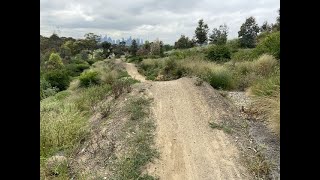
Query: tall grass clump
x,y
264,65
220,78
61,128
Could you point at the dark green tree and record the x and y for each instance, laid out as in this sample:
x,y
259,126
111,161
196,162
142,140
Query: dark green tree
x,y
248,33
219,36
106,47
134,48
265,27
184,43
201,32
161,49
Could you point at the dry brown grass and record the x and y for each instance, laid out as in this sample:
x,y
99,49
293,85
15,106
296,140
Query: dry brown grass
x,y
268,108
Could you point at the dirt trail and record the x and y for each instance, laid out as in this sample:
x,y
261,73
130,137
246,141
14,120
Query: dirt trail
x,y
132,71
189,148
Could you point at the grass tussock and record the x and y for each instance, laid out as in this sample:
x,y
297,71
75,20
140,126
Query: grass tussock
x,y
64,117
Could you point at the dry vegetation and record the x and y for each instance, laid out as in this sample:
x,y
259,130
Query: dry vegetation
x,y
65,117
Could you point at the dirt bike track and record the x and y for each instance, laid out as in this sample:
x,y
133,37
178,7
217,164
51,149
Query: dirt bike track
x,y
189,148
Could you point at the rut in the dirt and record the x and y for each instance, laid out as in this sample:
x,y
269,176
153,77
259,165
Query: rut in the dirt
x,y
189,148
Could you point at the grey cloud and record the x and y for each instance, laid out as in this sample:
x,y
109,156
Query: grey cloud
x,y
150,19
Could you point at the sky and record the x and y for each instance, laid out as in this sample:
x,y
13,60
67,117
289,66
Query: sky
x,y
149,19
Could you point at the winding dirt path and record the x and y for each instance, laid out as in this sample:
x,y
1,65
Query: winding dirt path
x,y
189,148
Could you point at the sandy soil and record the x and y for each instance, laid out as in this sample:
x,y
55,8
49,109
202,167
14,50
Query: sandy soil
x,y
189,147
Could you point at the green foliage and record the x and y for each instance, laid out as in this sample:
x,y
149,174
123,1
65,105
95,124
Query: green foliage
x,y
219,36
270,45
135,59
88,78
134,48
62,126
243,55
167,47
248,33
267,87
58,78
220,78
106,46
46,89
233,44
265,27
219,53
184,43
172,70
140,145
76,69
55,61
91,42
201,32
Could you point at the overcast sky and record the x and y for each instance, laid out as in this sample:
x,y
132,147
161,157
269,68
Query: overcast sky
x,y
149,19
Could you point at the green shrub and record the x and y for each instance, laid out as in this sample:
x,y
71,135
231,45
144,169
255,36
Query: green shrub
x,y
88,78
243,55
76,69
233,45
58,78
220,78
135,59
172,70
54,61
219,53
270,45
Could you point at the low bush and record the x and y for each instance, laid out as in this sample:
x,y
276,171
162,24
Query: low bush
x,y
269,45
88,78
220,53
58,78
76,69
172,70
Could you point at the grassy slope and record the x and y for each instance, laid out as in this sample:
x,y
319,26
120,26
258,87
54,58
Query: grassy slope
x,y
259,76
64,120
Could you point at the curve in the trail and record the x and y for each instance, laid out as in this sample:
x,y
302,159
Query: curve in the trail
x,y
189,148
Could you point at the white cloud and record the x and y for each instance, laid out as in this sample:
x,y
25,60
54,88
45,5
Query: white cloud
x,y
150,19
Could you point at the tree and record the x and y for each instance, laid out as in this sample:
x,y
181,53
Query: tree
x,y
248,33
184,43
276,26
265,27
106,47
202,32
134,48
167,47
55,61
155,47
91,41
219,36
66,50
161,49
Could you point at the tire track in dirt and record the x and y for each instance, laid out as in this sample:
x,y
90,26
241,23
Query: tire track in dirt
x,y
189,148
